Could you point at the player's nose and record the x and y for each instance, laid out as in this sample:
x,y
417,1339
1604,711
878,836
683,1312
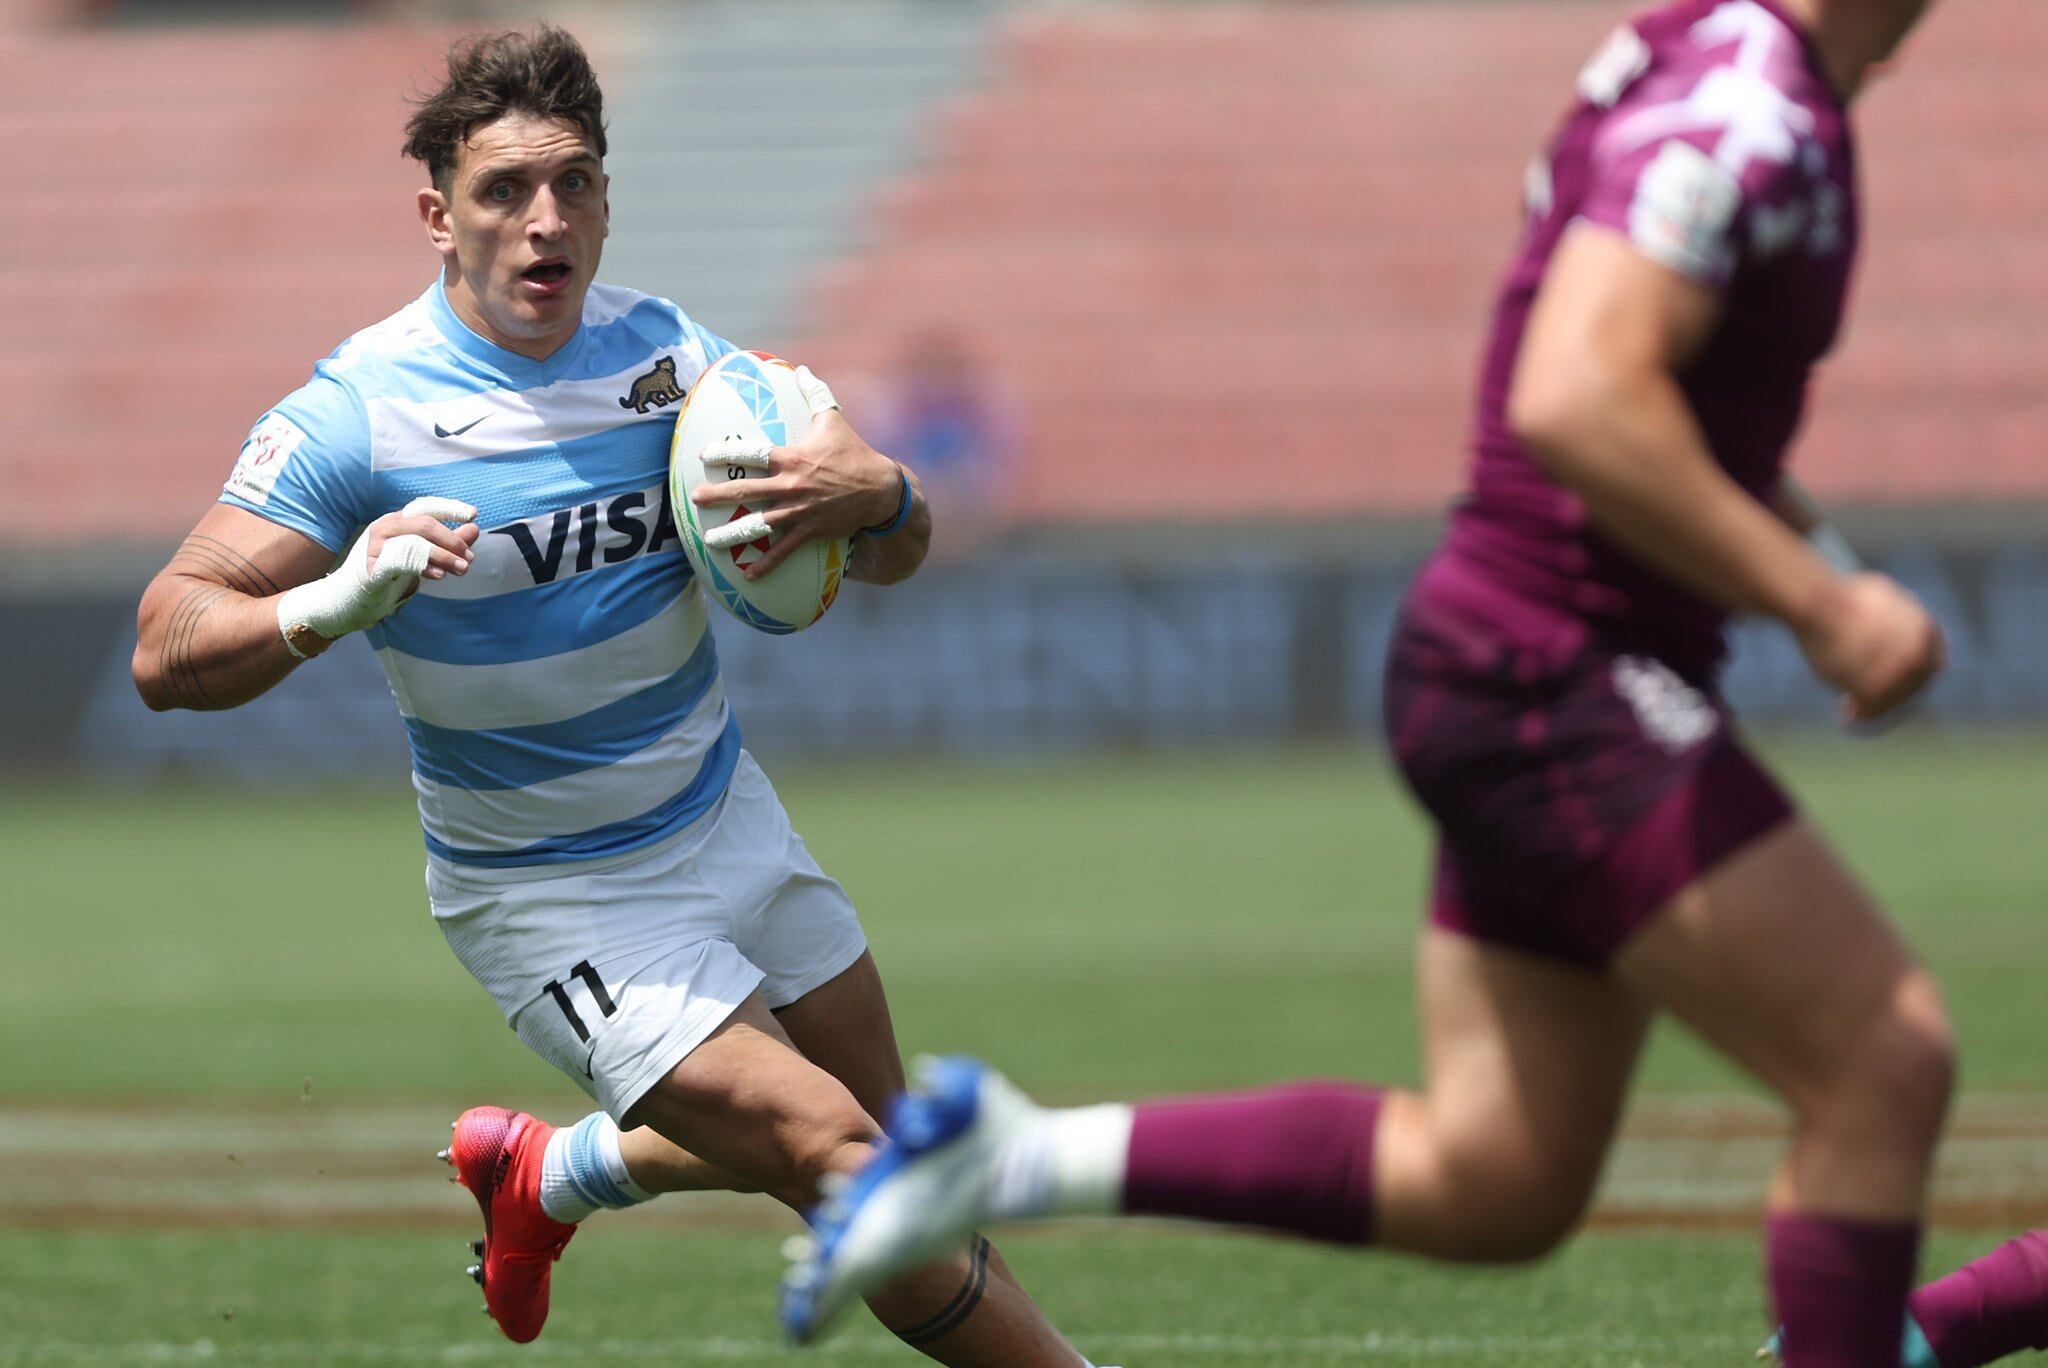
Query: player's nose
x,y
547,220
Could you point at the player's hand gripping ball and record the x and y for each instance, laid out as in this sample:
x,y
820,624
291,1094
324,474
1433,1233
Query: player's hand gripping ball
x,y
743,404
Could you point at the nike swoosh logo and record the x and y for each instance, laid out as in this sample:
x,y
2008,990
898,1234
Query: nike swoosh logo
x,y
588,1060
440,431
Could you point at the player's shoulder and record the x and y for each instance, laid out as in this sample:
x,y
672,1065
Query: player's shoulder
x,y
619,314
1715,137
1735,73
370,357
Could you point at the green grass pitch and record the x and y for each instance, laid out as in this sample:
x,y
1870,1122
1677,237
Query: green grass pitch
x,y
230,1031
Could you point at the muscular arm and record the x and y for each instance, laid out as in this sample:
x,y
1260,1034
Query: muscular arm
x,y
1596,399
208,626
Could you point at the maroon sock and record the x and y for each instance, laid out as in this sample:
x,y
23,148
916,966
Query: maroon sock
x,y
1988,1309
1840,1288
1296,1158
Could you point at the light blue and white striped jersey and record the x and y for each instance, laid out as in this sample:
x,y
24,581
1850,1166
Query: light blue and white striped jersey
x,y
563,697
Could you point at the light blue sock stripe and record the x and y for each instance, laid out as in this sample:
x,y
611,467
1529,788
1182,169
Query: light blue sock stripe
x,y
587,1167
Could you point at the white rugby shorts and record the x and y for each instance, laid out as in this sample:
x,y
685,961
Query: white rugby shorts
x,y
613,970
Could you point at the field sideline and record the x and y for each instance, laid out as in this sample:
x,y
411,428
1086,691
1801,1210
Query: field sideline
x,y
233,1034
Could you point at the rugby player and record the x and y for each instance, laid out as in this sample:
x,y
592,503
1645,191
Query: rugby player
x,y
1608,847
489,466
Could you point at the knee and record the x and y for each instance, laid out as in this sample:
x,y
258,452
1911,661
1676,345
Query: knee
x,y
1899,1074
1511,1208
818,1150
1530,1223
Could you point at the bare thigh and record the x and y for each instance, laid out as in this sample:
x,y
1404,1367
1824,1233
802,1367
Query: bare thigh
x,y
748,1102
844,1027
1780,959
1528,1062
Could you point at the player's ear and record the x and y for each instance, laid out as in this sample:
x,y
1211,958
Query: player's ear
x,y
607,206
433,207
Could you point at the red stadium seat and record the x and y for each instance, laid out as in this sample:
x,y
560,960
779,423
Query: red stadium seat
x,y
212,212
1195,240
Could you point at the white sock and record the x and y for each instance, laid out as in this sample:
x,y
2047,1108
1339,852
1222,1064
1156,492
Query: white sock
x,y
1070,1163
583,1170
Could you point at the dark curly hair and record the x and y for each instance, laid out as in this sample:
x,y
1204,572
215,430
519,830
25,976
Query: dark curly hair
x,y
544,73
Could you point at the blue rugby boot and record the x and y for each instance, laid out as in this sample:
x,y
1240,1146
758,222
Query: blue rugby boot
x,y
920,1196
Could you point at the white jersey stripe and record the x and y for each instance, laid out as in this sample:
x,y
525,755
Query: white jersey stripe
x,y
500,821
578,632
410,433
552,688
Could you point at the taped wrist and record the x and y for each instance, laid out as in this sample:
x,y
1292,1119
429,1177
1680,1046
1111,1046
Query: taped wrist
x,y
354,596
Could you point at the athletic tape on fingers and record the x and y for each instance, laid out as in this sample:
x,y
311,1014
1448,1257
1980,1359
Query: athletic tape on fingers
x,y
816,392
403,557
444,510
354,595
740,451
753,527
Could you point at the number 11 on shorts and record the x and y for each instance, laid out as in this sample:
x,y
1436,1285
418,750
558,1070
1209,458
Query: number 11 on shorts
x,y
598,995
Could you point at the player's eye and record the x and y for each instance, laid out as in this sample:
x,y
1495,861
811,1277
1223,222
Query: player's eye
x,y
501,193
576,181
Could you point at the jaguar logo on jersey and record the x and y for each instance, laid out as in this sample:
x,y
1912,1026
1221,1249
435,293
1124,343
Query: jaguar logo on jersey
x,y
658,387
570,541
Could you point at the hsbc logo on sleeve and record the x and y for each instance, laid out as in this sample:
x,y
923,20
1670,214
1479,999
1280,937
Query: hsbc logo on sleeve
x,y
269,447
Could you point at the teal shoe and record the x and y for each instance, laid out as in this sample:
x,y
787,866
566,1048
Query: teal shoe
x,y
1914,1350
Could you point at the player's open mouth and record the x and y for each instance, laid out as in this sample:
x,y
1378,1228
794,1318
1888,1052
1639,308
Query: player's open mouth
x,y
546,277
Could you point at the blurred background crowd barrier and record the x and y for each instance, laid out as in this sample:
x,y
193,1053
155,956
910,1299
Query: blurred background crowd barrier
x,y
1179,305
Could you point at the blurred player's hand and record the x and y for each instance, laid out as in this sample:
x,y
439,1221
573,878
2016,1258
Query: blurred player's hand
x,y
383,568
1872,640
830,484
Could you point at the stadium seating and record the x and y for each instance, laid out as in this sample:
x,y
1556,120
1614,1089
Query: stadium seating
x,y
1232,258
1237,259
197,231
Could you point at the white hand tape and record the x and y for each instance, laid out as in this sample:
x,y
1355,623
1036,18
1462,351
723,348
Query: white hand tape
x,y
753,527
740,451
816,392
445,510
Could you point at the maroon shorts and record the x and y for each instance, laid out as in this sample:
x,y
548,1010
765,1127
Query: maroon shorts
x,y
1574,791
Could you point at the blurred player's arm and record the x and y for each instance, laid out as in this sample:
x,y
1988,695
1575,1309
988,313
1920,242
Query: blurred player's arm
x,y
1596,400
210,630
1799,510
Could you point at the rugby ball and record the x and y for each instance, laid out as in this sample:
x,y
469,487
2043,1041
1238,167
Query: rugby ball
x,y
751,395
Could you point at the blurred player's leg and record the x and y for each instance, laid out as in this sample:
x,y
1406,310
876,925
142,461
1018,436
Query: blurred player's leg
x,y
747,1101
1529,1060
845,1029
1985,1310
1781,961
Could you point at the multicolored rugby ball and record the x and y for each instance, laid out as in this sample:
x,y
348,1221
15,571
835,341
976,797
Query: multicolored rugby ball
x,y
749,395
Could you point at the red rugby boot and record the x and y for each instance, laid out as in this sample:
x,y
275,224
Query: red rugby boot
x,y
496,1155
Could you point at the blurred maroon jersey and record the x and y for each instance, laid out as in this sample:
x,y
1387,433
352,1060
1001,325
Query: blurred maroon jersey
x,y
1706,132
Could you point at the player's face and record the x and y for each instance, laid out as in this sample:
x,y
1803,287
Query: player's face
x,y
521,227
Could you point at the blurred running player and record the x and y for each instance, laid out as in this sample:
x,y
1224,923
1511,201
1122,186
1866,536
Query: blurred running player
x,y
1608,848
489,465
